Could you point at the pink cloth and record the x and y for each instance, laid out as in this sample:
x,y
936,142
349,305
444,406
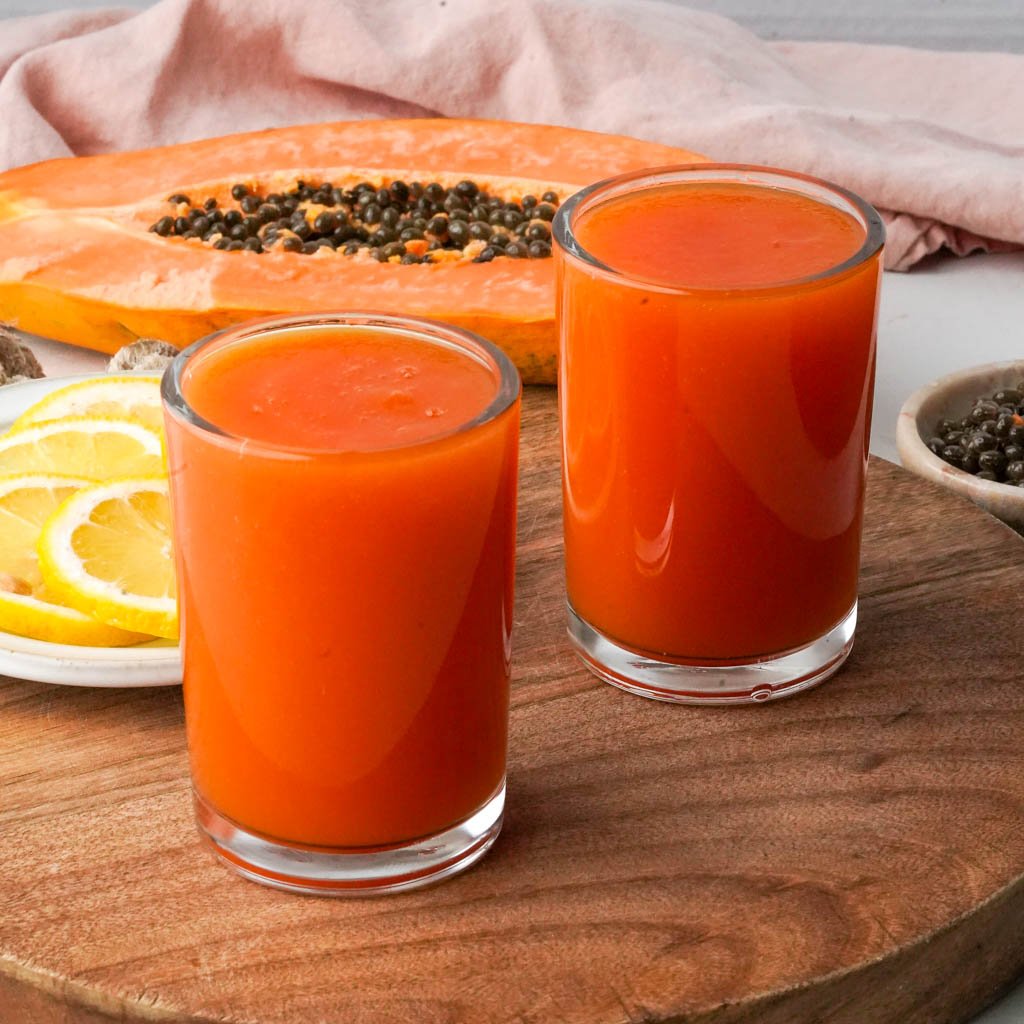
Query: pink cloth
x,y
935,140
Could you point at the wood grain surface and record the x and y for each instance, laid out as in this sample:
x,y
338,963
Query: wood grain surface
x,y
854,855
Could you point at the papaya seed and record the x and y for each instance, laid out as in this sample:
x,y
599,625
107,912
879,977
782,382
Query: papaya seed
x,y
369,221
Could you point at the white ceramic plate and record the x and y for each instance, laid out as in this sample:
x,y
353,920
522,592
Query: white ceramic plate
x,y
157,663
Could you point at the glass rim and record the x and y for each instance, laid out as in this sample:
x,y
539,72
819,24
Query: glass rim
x,y
562,228
508,384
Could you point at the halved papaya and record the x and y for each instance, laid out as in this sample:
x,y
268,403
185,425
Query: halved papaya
x,y
81,263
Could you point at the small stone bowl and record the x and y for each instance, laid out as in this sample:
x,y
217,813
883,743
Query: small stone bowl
x,y
951,398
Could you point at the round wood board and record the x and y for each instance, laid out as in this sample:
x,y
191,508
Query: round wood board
x,y
854,855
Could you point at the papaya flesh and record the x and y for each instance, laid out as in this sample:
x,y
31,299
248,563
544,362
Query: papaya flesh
x,y
79,264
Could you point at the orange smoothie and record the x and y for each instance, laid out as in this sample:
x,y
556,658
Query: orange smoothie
x,y
716,386
346,576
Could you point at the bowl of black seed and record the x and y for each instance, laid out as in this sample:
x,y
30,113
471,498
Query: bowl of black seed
x,y
966,432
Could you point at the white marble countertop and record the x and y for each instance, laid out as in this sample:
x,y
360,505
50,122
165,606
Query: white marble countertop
x,y
940,317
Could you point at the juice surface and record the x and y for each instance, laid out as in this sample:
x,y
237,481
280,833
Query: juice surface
x,y
312,390
719,235
346,614
715,442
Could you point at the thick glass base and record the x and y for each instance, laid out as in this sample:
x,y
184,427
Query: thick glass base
x,y
359,872
707,682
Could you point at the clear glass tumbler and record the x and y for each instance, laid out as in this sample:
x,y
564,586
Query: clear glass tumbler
x,y
344,492
717,329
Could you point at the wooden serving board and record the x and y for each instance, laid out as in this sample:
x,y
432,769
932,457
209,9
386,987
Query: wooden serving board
x,y
854,855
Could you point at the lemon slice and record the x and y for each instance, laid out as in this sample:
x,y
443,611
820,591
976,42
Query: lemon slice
x,y
107,552
30,616
134,398
26,502
93,447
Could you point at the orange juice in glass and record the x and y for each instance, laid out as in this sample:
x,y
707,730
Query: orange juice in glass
x,y
343,491
717,331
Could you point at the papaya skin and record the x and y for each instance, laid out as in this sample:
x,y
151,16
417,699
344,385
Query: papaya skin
x,y
78,264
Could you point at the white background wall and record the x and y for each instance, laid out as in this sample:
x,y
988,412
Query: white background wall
x,y
933,24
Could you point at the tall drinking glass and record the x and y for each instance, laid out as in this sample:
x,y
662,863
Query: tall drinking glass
x,y
343,492
717,364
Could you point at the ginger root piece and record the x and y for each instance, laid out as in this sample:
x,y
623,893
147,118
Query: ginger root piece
x,y
144,354
17,361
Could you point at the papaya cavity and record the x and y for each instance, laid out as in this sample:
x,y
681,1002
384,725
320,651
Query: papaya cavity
x,y
388,220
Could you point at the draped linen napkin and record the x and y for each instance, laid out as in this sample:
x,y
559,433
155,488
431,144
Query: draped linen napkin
x,y
934,140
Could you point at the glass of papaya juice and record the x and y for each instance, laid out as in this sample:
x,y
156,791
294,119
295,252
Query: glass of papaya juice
x,y
717,355
343,492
